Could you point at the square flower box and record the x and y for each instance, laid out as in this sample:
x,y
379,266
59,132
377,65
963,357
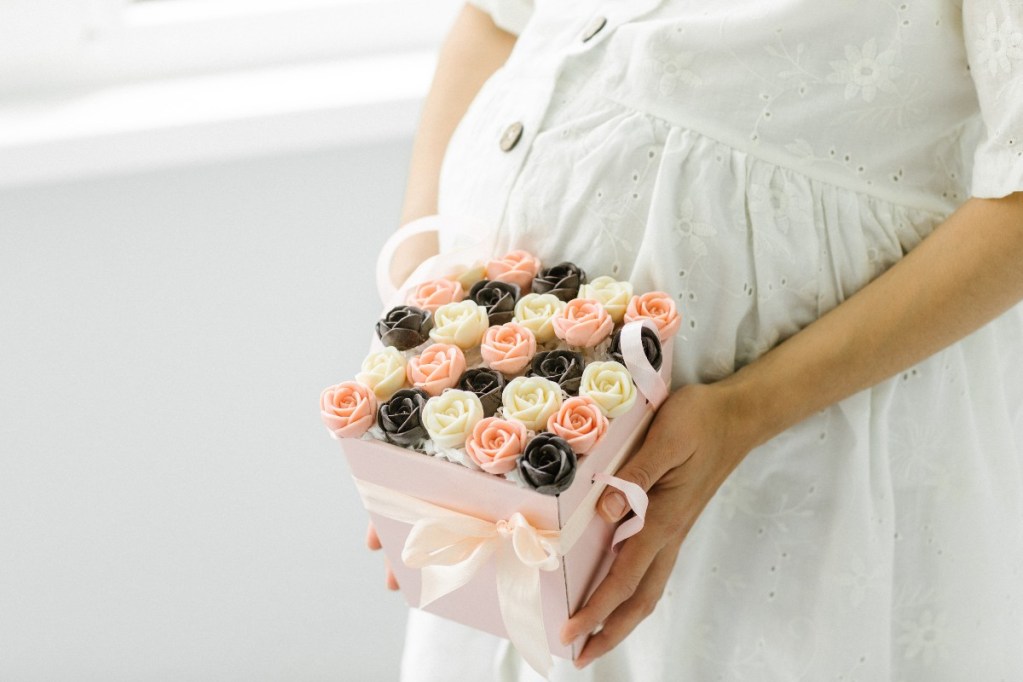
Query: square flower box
x,y
389,476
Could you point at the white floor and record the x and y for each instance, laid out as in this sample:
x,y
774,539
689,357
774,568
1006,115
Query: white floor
x,y
170,506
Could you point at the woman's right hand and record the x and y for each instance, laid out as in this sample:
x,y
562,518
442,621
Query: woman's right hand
x,y
373,542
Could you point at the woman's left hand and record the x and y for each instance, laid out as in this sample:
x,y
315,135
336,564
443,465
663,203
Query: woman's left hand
x,y
694,442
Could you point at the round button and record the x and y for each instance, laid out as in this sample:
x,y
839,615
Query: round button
x,y
594,27
510,137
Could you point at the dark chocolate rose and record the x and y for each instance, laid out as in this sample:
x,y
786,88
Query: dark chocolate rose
x,y
405,327
651,347
563,280
563,367
487,385
497,297
547,464
401,417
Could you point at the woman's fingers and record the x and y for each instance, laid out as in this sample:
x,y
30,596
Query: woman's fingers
x,y
392,582
373,542
372,539
622,581
629,613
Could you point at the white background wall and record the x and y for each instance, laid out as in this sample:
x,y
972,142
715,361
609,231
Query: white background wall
x,y
171,507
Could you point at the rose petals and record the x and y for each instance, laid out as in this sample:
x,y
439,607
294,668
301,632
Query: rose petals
x,y
400,418
563,367
435,293
384,372
580,422
487,385
531,400
495,444
612,294
548,464
508,348
450,417
517,267
348,409
498,298
583,323
439,366
534,312
658,307
562,280
461,324
610,385
404,327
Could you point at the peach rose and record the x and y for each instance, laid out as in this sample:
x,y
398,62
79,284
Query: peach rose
x,y
435,293
508,348
348,409
658,307
496,443
439,366
517,267
583,323
581,422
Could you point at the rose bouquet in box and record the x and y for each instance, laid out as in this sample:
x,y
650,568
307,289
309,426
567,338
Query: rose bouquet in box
x,y
495,404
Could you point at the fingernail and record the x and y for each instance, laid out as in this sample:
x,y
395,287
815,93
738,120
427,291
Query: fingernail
x,y
614,505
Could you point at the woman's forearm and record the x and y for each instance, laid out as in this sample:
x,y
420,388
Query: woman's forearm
x,y
473,50
966,273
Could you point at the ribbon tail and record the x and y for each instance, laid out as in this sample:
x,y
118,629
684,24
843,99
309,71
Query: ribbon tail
x,y
518,593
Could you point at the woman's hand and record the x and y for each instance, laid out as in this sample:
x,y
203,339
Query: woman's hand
x,y
694,442
373,542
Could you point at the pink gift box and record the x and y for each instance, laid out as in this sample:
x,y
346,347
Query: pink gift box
x,y
492,498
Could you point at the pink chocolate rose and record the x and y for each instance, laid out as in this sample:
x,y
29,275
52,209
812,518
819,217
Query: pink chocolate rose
x,y
508,348
658,307
517,267
583,322
435,293
495,444
348,409
439,366
580,422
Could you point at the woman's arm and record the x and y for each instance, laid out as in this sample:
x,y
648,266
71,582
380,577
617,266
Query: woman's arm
x,y
473,50
967,272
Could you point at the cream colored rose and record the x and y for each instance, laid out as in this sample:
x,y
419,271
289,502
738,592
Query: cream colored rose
x,y
531,400
534,312
462,324
612,294
471,275
450,417
383,372
610,385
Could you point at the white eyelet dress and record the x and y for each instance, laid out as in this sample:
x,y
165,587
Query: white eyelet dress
x,y
761,161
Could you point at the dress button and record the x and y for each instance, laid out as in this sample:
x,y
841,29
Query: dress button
x,y
594,27
511,136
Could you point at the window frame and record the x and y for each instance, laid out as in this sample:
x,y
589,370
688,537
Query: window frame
x,y
75,44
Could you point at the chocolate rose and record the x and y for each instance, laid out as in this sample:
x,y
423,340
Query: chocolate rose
x,y
498,298
548,464
401,417
487,384
563,280
651,347
405,327
563,367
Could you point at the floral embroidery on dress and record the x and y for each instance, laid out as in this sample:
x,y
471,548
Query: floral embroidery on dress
x,y
864,71
998,45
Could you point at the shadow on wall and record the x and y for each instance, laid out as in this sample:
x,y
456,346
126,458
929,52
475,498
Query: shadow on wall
x,y
170,505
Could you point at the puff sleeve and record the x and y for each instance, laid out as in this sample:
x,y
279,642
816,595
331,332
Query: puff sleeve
x,y
510,15
993,31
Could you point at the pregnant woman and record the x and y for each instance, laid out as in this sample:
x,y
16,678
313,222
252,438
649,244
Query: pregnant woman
x,y
832,191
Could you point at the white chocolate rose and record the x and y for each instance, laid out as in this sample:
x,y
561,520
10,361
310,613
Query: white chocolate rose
x,y
531,400
383,372
612,294
610,385
461,324
450,417
534,312
471,275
